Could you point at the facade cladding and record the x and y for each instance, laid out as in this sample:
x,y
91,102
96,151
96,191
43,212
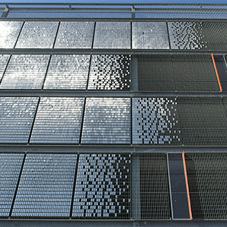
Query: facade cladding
x,y
113,119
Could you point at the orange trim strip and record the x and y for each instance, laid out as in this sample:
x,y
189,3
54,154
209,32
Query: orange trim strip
x,y
215,66
186,177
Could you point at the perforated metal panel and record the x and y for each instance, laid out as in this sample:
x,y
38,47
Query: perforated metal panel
x,y
107,121
67,72
154,189
155,121
110,72
3,62
203,121
16,117
75,35
10,167
58,120
103,186
46,186
207,184
149,35
183,73
112,35
9,31
25,72
37,34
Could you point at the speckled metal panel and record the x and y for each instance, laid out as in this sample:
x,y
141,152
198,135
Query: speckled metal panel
x,y
9,31
149,35
46,186
25,72
36,34
112,35
107,121
58,120
155,121
16,118
75,34
103,186
10,167
110,72
68,72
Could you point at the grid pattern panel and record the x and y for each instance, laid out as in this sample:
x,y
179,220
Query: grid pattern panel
x,y
10,167
149,35
187,35
58,120
110,72
203,121
112,35
75,35
46,186
154,189
107,121
155,121
25,72
16,118
103,186
9,31
3,62
37,34
67,72
207,184
181,73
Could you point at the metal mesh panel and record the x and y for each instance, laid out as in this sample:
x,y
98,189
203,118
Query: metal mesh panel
x,y
67,72
3,62
16,118
149,35
107,121
154,189
10,167
75,35
9,31
155,121
103,186
46,186
207,185
58,120
112,35
177,73
37,34
110,72
203,121
25,72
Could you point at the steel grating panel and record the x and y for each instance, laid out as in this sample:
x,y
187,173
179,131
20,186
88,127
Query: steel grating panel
x,y
203,121
75,35
3,62
16,118
207,184
154,187
110,72
103,186
180,73
9,31
25,72
149,35
46,186
107,121
37,34
112,35
58,120
155,121
67,72
10,167
187,35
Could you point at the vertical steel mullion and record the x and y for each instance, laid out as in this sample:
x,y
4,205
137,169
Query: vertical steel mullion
x,y
167,26
48,65
82,121
131,119
7,64
89,70
93,38
131,35
55,38
19,35
5,12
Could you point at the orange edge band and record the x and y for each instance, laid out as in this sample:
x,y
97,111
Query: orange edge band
x,y
216,71
186,177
